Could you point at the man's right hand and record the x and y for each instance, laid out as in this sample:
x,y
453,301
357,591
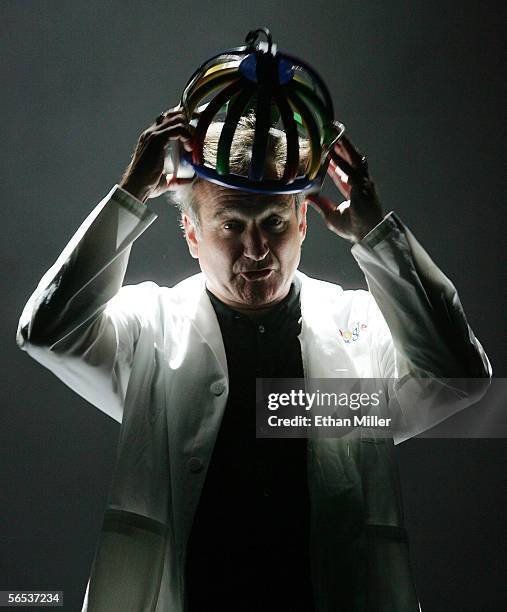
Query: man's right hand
x,y
144,177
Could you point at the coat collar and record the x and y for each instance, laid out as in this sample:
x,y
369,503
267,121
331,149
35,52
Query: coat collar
x,y
321,344
195,305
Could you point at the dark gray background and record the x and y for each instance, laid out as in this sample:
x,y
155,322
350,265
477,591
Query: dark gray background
x,y
419,86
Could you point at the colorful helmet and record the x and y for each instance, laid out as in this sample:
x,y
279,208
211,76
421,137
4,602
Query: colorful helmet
x,y
281,91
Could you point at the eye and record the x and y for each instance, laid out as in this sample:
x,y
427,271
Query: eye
x,y
274,222
233,226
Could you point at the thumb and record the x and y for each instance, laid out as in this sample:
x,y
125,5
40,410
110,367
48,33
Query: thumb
x,y
322,204
172,182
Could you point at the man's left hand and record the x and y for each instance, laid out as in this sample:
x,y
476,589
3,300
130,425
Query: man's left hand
x,y
362,210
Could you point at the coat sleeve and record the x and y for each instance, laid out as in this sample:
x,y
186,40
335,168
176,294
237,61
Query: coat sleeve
x,y
424,345
79,322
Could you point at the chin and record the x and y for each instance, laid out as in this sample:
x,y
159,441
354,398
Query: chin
x,y
256,300
259,295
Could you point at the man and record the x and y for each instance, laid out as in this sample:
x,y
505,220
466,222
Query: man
x,y
201,515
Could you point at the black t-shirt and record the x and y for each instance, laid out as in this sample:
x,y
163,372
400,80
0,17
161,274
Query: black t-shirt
x,y
248,546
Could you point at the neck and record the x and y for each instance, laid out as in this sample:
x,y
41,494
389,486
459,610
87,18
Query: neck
x,y
252,312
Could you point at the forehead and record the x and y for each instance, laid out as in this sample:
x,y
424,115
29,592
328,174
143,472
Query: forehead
x,y
215,200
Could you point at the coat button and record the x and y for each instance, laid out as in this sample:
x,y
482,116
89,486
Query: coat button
x,y
195,464
217,388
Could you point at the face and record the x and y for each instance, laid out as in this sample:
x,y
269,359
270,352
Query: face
x,y
249,245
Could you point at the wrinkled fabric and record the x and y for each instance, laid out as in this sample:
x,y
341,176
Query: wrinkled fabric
x,y
153,359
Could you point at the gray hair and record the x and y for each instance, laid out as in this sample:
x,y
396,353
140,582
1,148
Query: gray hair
x,y
184,196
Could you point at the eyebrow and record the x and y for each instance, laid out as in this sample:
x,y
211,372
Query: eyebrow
x,y
225,210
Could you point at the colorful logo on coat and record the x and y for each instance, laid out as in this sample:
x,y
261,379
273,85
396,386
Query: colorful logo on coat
x,y
351,335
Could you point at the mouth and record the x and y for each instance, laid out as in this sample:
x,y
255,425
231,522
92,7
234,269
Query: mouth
x,y
257,274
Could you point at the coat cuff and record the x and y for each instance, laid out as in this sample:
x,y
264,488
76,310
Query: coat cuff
x,y
390,224
130,203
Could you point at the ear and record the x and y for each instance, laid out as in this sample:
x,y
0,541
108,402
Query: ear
x,y
302,220
191,236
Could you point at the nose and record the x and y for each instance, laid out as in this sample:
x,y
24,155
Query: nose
x,y
255,244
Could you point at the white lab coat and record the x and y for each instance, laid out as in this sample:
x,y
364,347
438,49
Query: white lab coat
x,y
153,359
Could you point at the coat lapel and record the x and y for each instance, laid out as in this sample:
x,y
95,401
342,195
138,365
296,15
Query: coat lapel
x,y
322,348
200,311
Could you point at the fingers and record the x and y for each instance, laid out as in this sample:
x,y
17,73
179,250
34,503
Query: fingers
x,y
349,151
356,173
146,167
173,126
176,110
169,120
339,178
179,132
342,164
